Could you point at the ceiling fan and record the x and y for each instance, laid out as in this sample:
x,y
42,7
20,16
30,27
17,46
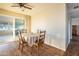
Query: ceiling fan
x,y
22,5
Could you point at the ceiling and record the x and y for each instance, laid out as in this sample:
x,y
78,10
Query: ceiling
x,y
74,13
7,6
36,7
41,6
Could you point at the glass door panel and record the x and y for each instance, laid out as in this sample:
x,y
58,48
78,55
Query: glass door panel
x,y
19,25
6,29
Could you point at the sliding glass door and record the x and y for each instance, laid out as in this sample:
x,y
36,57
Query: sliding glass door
x,y
9,27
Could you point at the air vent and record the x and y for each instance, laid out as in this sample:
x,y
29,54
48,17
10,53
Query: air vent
x,y
76,7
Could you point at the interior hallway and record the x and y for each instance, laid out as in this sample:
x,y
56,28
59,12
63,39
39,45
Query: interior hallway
x,y
73,48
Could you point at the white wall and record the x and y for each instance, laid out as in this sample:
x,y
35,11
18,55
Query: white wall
x,y
68,26
68,30
52,18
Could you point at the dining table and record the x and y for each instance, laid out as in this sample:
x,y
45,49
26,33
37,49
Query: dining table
x,y
30,38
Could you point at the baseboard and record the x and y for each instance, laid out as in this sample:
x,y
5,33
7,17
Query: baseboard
x,y
55,47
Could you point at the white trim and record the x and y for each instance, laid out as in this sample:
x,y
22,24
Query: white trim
x,y
13,28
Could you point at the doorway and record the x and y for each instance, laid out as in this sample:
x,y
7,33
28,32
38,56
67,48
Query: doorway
x,y
74,30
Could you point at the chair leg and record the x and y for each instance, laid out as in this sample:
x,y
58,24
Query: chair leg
x,y
37,51
19,46
22,48
31,50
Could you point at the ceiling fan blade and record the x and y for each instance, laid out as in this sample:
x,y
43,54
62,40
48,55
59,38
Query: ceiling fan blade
x,y
27,7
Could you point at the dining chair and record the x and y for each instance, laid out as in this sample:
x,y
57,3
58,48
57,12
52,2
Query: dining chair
x,y
22,41
39,40
35,45
41,37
